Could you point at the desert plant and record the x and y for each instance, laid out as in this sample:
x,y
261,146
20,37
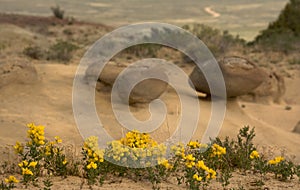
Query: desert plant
x,y
58,12
239,150
61,51
282,168
196,165
34,52
40,154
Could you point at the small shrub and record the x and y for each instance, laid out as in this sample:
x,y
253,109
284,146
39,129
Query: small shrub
x,y
58,12
282,168
39,154
239,151
61,51
33,52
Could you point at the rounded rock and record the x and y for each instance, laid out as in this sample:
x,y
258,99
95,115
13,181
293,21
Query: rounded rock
x,y
240,76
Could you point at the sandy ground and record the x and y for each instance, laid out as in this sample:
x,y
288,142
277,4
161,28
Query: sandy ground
x,y
238,180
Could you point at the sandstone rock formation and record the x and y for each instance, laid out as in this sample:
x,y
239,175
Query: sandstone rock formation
x,y
240,75
143,92
17,71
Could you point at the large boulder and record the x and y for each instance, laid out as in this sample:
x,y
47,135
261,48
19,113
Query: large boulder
x,y
143,92
17,71
240,76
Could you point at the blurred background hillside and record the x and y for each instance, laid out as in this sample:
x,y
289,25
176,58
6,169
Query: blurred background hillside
x,y
244,17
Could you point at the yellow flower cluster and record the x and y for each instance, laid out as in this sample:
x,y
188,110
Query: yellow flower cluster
x,y
135,139
210,173
118,151
254,154
276,160
26,167
194,144
190,160
91,165
19,148
11,179
50,148
36,134
178,150
217,150
136,146
164,162
91,148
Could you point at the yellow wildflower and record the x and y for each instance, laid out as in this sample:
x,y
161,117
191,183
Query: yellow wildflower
x,y
201,165
211,174
48,150
18,148
41,142
190,161
276,160
32,164
58,139
26,171
36,134
196,177
194,144
23,164
254,154
91,165
11,179
190,157
165,163
135,139
218,150
65,162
